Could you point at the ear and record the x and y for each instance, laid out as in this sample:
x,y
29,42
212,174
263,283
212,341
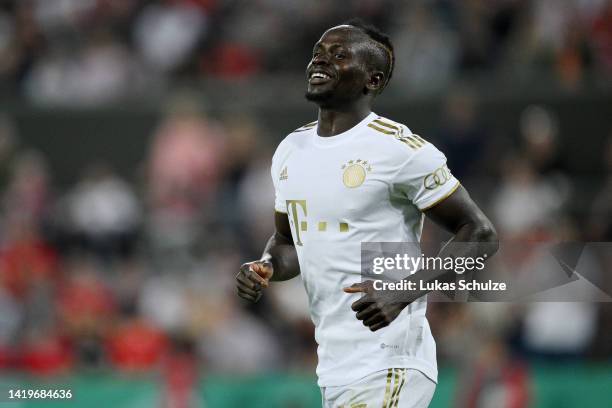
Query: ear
x,y
376,81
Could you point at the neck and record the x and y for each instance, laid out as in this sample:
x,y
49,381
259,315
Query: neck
x,y
335,121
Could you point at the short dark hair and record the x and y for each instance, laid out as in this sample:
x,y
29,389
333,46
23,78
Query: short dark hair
x,y
381,39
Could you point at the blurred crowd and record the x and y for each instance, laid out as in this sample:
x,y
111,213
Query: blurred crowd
x,y
138,275
88,52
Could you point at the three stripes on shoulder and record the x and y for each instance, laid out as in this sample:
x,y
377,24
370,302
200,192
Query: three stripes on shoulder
x,y
413,141
306,127
392,129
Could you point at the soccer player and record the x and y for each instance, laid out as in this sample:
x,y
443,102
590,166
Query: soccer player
x,y
351,177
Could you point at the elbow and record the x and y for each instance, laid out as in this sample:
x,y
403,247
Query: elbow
x,y
486,234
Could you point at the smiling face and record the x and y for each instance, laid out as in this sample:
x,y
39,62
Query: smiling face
x,y
339,72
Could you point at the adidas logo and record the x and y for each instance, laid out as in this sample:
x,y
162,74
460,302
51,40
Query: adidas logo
x,y
284,175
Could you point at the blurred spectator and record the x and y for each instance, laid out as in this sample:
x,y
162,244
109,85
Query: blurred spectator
x,y
485,30
7,32
46,352
163,302
427,56
180,371
235,342
600,214
539,129
8,147
524,204
129,42
461,134
104,212
231,61
136,346
167,32
26,259
11,319
559,331
242,136
184,166
495,380
575,57
85,302
602,36
100,72
257,218
54,15
27,195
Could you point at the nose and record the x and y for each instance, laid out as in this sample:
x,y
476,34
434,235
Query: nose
x,y
319,59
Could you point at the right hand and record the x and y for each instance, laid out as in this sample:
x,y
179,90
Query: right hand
x,y
253,276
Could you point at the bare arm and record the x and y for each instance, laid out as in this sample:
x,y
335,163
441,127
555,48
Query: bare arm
x,y
280,250
278,262
474,236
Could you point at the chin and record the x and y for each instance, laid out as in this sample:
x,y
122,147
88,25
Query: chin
x,y
318,96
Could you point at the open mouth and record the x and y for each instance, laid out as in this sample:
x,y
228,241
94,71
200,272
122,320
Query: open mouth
x,y
319,77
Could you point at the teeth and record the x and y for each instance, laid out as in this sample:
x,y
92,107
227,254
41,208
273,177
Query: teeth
x,y
320,75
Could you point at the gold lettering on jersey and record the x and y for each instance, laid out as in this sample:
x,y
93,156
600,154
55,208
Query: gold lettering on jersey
x,y
355,172
322,226
292,206
437,178
344,227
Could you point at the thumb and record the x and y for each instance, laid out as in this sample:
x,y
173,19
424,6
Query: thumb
x,y
262,270
355,288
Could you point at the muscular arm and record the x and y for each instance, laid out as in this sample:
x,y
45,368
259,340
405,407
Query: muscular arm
x,y
278,262
474,236
280,250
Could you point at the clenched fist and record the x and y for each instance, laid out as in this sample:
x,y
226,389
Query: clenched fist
x,y
253,276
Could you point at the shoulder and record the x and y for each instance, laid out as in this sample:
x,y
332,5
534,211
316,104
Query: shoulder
x,y
387,126
293,140
397,139
305,127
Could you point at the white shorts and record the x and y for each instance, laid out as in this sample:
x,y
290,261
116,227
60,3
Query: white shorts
x,y
392,388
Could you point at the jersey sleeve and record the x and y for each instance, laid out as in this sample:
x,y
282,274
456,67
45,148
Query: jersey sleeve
x,y
280,205
425,179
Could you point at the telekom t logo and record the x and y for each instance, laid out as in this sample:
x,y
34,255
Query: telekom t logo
x,y
300,224
292,206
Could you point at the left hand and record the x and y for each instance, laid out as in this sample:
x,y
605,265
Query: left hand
x,y
376,309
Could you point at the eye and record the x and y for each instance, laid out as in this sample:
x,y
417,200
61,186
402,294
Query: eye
x,y
339,55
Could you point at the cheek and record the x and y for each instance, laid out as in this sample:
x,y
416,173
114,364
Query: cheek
x,y
353,82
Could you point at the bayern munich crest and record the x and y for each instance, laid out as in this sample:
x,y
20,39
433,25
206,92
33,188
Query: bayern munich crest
x,y
355,172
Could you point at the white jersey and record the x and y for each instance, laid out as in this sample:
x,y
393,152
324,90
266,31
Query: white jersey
x,y
368,184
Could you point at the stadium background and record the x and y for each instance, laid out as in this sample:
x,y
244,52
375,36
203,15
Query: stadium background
x,y
135,143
